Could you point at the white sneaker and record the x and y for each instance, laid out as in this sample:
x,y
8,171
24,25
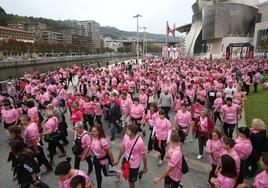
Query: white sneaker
x,y
191,141
199,156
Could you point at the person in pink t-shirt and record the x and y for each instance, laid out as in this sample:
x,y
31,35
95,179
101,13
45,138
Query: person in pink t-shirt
x,y
261,180
50,132
98,110
231,113
9,114
31,139
243,148
226,178
217,107
65,174
228,145
214,148
150,117
173,173
183,120
138,153
137,112
143,98
76,115
161,134
83,141
125,107
103,155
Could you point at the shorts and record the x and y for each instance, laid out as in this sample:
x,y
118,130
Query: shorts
x,y
172,183
133,175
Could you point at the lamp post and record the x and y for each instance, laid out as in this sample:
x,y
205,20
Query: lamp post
x,y
143,49
137,50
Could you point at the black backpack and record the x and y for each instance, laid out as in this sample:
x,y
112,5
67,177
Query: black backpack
x,y
77,148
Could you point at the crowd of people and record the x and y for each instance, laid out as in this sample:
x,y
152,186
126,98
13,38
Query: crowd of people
x,y
163,98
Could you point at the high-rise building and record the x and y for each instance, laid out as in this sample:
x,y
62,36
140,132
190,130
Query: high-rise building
x,y
91,29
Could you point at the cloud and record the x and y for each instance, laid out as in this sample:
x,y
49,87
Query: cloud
x,y
117,13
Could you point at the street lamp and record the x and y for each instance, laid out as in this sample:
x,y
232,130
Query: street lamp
x,y
143,49
137,16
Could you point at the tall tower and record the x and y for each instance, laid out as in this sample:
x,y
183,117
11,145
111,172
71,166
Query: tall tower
x,y
91,29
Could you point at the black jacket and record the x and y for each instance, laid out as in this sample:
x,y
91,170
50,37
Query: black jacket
x,y
115,112
84,85
259,142
25,167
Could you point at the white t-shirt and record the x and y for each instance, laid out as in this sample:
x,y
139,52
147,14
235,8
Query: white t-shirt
x,y
229,92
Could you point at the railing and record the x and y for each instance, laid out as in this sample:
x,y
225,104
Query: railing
x,y
16,62
63,58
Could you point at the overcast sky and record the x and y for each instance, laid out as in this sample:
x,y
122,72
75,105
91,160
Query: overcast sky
x,y
117,13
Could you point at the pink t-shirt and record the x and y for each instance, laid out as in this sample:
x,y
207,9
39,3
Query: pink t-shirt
x,y
31,133
151,117
99,148
218,104
217,147
88,108
178,103
66,183
138,151
126,106
45,97
235,156
97,109
230,113
224,182
51,125
85,140
76,116
131,86
261,180
143,100
9,116
175,161
183,119
136,111
33,113
162,127
243,148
